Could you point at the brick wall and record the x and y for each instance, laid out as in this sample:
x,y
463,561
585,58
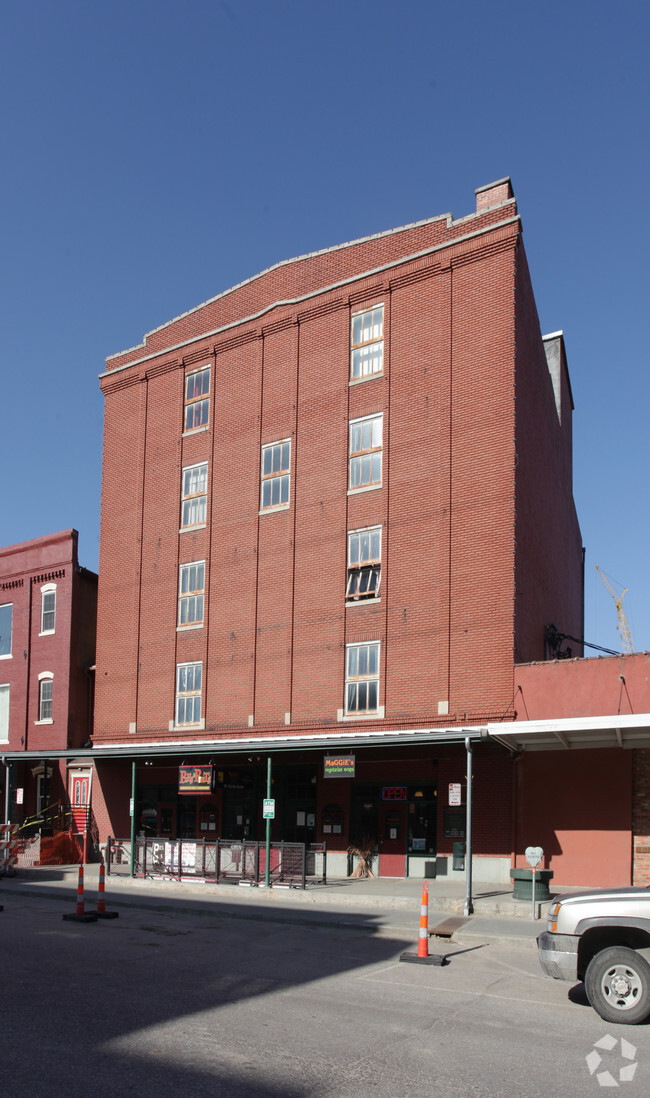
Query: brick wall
x,y
273,645
549,544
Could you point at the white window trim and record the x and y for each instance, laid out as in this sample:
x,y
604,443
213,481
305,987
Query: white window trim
x,y
360,312
365,487
192,372
186,469
8,688
368,377
271,509
378,716
190,624
10,655
48,589
201,721
196,430
45,676
363,715
375,562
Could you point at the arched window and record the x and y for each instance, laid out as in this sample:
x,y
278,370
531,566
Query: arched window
x,y
45,683
48,608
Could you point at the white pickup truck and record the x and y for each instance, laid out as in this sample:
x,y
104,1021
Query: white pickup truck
x,y
603,938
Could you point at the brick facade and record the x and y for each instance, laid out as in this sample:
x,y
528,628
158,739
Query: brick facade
x,y
60,649
480,546
461,592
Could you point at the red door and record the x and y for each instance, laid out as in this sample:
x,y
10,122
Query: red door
x,y
392,842
80,790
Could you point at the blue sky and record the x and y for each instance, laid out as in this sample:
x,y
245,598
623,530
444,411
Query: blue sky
x,y
155,154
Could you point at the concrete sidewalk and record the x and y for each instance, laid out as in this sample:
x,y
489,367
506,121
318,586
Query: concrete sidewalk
x,y
381,905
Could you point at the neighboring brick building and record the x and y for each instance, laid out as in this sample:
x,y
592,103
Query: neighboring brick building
x,y
48,614
336,509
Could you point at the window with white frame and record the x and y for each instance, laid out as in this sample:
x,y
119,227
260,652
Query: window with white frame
x,y
189,678
275,476
367,343
191,589
364,563
45,683
6,624
197,399
4,712
48,608
194,495
362,678
365,452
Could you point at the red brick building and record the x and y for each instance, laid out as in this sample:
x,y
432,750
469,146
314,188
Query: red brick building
x,y
48,615
336,511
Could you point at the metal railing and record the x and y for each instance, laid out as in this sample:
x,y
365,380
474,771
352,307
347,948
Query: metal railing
x,y
292,864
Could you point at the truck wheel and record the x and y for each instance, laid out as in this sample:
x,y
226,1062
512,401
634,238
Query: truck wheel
x,y
617,983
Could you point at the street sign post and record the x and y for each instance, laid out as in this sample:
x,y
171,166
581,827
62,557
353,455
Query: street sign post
x,y
533,855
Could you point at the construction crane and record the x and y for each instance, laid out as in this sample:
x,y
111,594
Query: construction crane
x,y
623,627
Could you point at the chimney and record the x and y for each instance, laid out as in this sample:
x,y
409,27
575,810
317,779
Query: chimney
x,y
493,194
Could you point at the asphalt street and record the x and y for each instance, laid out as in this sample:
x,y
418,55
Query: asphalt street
x,y
161,1003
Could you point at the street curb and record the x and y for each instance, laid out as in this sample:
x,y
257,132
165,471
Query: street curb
x,y
302,914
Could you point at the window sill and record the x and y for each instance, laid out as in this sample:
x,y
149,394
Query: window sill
x,y
274,510
47,633
7,656
368,377
368,488
378,715
187,727
49,720
191,529
363,602
196,430
189,628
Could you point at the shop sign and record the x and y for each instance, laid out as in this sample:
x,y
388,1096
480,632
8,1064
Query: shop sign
x,y
393,793
195,779
339,766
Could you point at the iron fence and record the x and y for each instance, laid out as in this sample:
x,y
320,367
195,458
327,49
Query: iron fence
x,y
291,864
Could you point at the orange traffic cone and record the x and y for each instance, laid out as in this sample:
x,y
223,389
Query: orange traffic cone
x,y
80,916
423,957
423,940
102,913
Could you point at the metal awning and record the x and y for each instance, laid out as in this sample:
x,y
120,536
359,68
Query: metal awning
x,y
551,734
569,733
315,741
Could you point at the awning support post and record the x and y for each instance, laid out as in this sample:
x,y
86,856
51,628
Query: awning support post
x,y
469,906
267,874
133,818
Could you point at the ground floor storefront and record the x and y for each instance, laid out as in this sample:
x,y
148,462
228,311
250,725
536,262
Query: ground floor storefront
x,y
406,805
387,808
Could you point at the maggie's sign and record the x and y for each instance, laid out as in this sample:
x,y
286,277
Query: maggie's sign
x,y
339,766
195,779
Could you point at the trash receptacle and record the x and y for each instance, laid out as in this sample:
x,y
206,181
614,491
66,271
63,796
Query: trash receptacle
x,y
459,856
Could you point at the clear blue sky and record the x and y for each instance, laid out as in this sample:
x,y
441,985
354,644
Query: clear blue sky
x,y
156,153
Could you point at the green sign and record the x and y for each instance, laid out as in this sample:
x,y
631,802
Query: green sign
x,y
269,808
339,766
